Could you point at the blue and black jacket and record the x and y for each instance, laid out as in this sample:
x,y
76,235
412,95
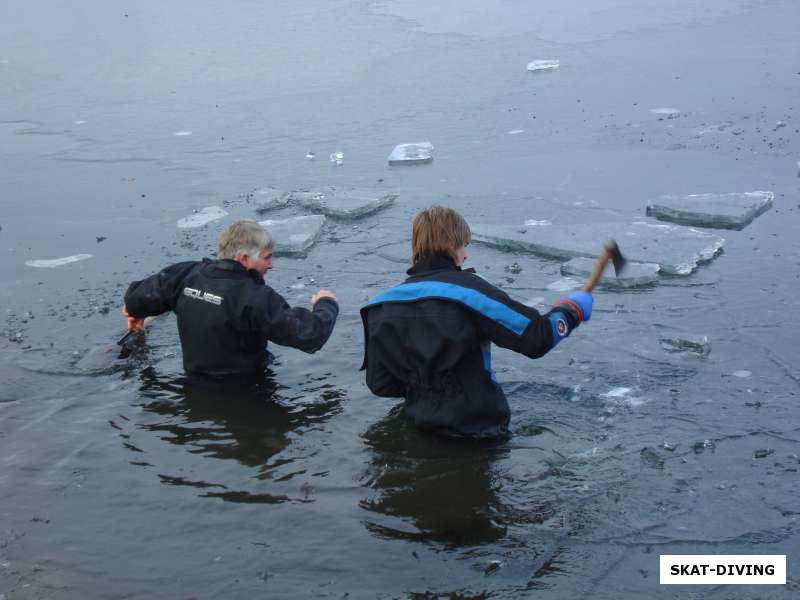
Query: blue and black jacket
x,y
428,340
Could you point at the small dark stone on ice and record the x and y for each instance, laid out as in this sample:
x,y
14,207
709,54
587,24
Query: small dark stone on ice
x,y
513,268
493,566
651,458
100,238
142,195
704,445
763,453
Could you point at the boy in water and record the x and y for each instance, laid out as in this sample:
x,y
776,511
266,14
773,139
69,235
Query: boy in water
x,y
226,312
428,339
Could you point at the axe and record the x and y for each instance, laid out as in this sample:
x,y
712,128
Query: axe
x,y
610,253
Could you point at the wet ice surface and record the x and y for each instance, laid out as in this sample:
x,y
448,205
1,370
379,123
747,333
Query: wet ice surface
x,y
719,211
343,204
677,250
202,217
543,65
51,263
98,462
296,235
417,153
633,274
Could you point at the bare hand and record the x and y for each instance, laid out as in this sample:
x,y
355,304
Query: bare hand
x,y
323,294
134,324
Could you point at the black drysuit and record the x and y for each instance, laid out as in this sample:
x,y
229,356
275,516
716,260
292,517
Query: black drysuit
x,y
428,340
227,314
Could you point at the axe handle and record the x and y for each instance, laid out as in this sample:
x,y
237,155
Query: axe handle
x,y
597,273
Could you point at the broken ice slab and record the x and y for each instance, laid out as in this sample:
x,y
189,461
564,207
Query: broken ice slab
x,y
417,153
718,211
52,263
543,65
266,199
633,275
295,236
677,250
693,345
343,204
202,217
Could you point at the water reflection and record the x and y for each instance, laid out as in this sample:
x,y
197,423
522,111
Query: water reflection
x,y
440,490
251,423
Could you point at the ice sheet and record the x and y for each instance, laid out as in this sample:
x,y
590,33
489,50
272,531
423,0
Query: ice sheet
x,y
202,217
266,199
52,263
677,250
417,153
720,211
295,236
633,275
348,204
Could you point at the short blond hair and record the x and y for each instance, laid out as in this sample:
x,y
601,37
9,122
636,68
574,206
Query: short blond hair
x,y
438,230
244,237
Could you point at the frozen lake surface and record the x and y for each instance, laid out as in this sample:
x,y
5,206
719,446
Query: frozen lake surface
x,y
668,424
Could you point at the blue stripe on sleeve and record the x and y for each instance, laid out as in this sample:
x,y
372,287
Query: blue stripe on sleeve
x,y
486,350
481,303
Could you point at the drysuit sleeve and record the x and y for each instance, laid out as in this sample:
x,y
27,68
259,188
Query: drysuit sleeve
x,y
158,293
300,328
524,329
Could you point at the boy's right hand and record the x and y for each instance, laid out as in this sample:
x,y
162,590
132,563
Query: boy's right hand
x,y
134,324
323,294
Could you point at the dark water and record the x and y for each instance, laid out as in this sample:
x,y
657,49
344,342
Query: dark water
x,y
124,480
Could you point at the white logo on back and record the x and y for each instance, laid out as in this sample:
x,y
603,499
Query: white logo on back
x,y
198,295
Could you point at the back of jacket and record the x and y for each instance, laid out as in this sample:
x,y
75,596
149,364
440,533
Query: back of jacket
x,y
428,340
226,315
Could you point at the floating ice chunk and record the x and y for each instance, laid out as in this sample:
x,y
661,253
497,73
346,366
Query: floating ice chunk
x,y
516,131
677,250
295,236
52,263
202,217
182,133
80,122
719,211
622,396
693,345
310,155
543,65
633,275
417,153
535,223
564,285
742,374
617,392
268,198
669,113
352,204
337,158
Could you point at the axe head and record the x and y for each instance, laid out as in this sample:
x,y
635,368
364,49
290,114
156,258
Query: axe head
x,y
616,257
